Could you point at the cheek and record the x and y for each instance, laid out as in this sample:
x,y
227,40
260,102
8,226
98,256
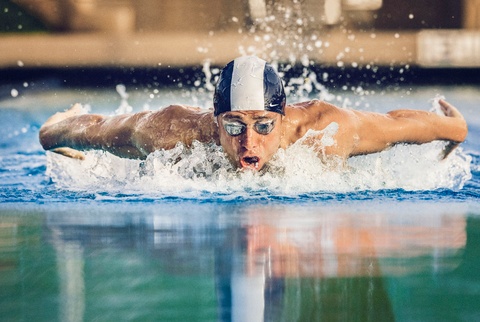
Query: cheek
x,y
273,143
272,147
230,144
274,139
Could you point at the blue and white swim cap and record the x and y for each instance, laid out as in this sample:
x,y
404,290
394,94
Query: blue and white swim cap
x,y
249,83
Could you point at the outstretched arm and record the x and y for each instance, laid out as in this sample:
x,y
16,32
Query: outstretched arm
x,y
73,131
129,135
377,132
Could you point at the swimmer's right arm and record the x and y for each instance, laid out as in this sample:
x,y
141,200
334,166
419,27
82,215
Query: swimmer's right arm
x,y
70,132
127,136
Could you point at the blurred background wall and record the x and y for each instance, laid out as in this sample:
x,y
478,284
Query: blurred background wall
x,y
66,33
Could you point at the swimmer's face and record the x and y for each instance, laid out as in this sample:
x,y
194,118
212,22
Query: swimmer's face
x,y
250,138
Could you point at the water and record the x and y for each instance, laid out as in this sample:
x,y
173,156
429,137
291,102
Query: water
x,y
393,237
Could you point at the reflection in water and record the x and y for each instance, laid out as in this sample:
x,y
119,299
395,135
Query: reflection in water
x,y
329,267
229,263
70,266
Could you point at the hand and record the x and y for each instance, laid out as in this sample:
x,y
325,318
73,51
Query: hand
x,y
76,109
69,152
449,111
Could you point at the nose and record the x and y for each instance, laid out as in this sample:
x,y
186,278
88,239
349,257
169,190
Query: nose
x,y
249,139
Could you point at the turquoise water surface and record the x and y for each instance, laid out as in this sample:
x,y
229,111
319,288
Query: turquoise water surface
x,y
395,236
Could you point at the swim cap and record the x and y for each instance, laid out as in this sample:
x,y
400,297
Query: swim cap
x,y
249,83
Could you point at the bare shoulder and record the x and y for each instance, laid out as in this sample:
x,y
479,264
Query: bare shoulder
x,y
164,128
308,105
315,114
314,108
178,109
178,113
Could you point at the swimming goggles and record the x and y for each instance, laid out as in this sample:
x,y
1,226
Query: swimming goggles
x,y
235,128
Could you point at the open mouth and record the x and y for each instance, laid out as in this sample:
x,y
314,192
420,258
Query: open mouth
x,y
250,162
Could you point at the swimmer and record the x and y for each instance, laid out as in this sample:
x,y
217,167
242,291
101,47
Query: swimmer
x,y
251,121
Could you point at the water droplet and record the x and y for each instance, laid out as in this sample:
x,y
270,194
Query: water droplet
x,y
14,92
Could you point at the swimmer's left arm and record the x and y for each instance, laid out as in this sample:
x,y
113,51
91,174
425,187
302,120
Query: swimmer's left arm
x,y
376,132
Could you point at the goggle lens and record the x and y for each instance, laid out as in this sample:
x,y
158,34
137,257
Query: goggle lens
x,y
264,127
235,128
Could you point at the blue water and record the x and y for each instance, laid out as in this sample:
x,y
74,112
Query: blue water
x,y
98,241
25,177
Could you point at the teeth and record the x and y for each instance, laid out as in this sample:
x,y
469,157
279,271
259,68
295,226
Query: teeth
x,y
256,164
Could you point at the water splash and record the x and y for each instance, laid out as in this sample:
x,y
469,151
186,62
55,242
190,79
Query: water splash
x,y
124,106
204,170
436,108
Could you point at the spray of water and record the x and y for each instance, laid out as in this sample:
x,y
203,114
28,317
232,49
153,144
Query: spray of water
x,y
203,170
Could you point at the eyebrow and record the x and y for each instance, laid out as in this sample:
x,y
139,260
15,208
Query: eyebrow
x,y
262,117
232,117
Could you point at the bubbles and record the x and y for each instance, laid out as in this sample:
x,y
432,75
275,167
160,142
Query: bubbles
x,y
14,92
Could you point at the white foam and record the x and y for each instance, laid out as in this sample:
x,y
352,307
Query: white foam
x,y
204,170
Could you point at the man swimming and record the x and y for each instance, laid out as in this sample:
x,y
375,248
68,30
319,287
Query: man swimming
x,y
251,121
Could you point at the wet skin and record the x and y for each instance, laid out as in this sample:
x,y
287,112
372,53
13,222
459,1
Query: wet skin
x,y
250,149
359,132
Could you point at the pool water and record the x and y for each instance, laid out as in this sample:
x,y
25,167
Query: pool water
x,y
393,236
